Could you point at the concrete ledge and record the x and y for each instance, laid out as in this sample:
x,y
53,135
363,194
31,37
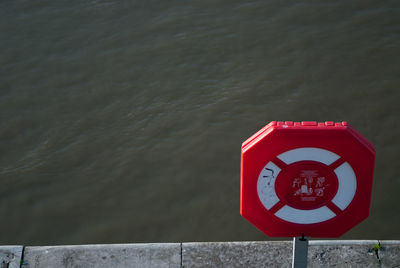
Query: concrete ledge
x,y
123,255
237,254
10,256
321,253
358,253
343,253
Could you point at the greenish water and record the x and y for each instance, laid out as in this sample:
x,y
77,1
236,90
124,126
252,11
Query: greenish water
x,y
123,121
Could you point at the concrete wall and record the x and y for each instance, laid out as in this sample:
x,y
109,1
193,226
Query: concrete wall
x,y
321,253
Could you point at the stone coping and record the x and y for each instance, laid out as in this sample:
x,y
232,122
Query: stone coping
x,y
321,253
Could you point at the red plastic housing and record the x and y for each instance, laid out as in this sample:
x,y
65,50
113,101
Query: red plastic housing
x,y
306,178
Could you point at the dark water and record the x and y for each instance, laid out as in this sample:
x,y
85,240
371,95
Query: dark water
x,y
122,121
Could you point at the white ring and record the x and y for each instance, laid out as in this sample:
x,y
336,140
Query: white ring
x,y
347,186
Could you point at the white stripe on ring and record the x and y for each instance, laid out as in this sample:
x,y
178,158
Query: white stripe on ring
x,y
308,153
266,185
301,216
347,186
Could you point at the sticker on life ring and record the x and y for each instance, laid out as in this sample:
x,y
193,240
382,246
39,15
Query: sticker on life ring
x,y
306,185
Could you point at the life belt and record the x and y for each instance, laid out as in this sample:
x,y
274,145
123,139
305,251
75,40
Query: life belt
x,y
306,185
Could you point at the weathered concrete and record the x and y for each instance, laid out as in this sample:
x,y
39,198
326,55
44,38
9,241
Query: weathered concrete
x,y
321,253
237,254
389,254
327,253
343,253
10,256
128,255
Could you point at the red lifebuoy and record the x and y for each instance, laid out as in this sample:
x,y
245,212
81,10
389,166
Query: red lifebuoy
x,y
306,178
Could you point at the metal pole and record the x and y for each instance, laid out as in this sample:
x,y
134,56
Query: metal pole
x,y
300,250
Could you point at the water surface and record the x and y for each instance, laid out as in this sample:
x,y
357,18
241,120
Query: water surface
x,y
123,121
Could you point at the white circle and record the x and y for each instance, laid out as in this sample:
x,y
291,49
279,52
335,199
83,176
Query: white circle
x,y
347,186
